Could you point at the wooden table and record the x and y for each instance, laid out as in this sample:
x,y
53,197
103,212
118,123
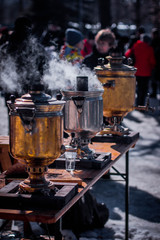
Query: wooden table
x,y
86,179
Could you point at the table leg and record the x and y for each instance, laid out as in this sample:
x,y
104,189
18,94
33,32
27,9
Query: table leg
x,y
127,197
4,224
27,229
58,235
54,229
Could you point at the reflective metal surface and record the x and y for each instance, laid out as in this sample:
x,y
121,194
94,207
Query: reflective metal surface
x,y
119,84
83,112
36,134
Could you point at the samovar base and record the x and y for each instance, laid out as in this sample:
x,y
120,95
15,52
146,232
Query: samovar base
x,y
112,126
83,150
27,187
120,131
87,152
36,182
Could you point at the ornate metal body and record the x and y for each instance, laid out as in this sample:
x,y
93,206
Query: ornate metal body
x,y
83,115
36,135
119,84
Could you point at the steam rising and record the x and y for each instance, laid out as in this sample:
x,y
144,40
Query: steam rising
x,y
62,75
58,75
8,75
21,64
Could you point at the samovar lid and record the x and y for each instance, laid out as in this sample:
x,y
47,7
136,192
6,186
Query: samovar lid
x,y
37,97
38,100
115,63
96,93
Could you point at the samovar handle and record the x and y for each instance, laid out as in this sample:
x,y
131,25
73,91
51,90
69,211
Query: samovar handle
x,y
27,116
109,84
79,101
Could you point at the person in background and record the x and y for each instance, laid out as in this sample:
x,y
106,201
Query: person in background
x,y
88,44
104,41
132,40
121,40
141,30
52,37
144,61
155,43
71,50
129,45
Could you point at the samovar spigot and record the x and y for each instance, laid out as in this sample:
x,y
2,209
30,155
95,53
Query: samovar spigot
x,y
147,107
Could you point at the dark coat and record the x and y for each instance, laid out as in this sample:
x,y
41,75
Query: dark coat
x,y
91,60
144,58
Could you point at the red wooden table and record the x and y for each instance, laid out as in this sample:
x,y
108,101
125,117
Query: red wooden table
x,y
85,178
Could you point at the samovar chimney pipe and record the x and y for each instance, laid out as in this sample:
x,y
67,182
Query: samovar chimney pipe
x,y
82,83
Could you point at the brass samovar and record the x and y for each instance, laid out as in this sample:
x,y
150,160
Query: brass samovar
x,y
119,83
36,135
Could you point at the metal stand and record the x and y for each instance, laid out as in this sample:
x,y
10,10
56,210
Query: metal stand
x,y
125,176
127,197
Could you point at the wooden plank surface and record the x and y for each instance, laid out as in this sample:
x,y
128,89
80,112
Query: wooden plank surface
x,y
10,198
5,161
86,178
61,175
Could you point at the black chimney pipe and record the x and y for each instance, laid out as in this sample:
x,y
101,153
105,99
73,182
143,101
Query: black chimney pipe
x,y
82,83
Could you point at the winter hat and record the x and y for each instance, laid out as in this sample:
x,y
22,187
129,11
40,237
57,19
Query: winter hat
x,y
73,36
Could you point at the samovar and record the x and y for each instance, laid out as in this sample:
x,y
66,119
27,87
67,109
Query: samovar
x,y
119,83
36,135
83,115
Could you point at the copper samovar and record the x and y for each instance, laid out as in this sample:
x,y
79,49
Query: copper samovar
x,y
36,135
119,83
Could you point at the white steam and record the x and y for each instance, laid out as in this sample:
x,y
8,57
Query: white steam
x,y
59,75
62,75
8,75
20,66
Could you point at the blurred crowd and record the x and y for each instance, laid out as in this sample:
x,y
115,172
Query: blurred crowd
x,y
82,49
